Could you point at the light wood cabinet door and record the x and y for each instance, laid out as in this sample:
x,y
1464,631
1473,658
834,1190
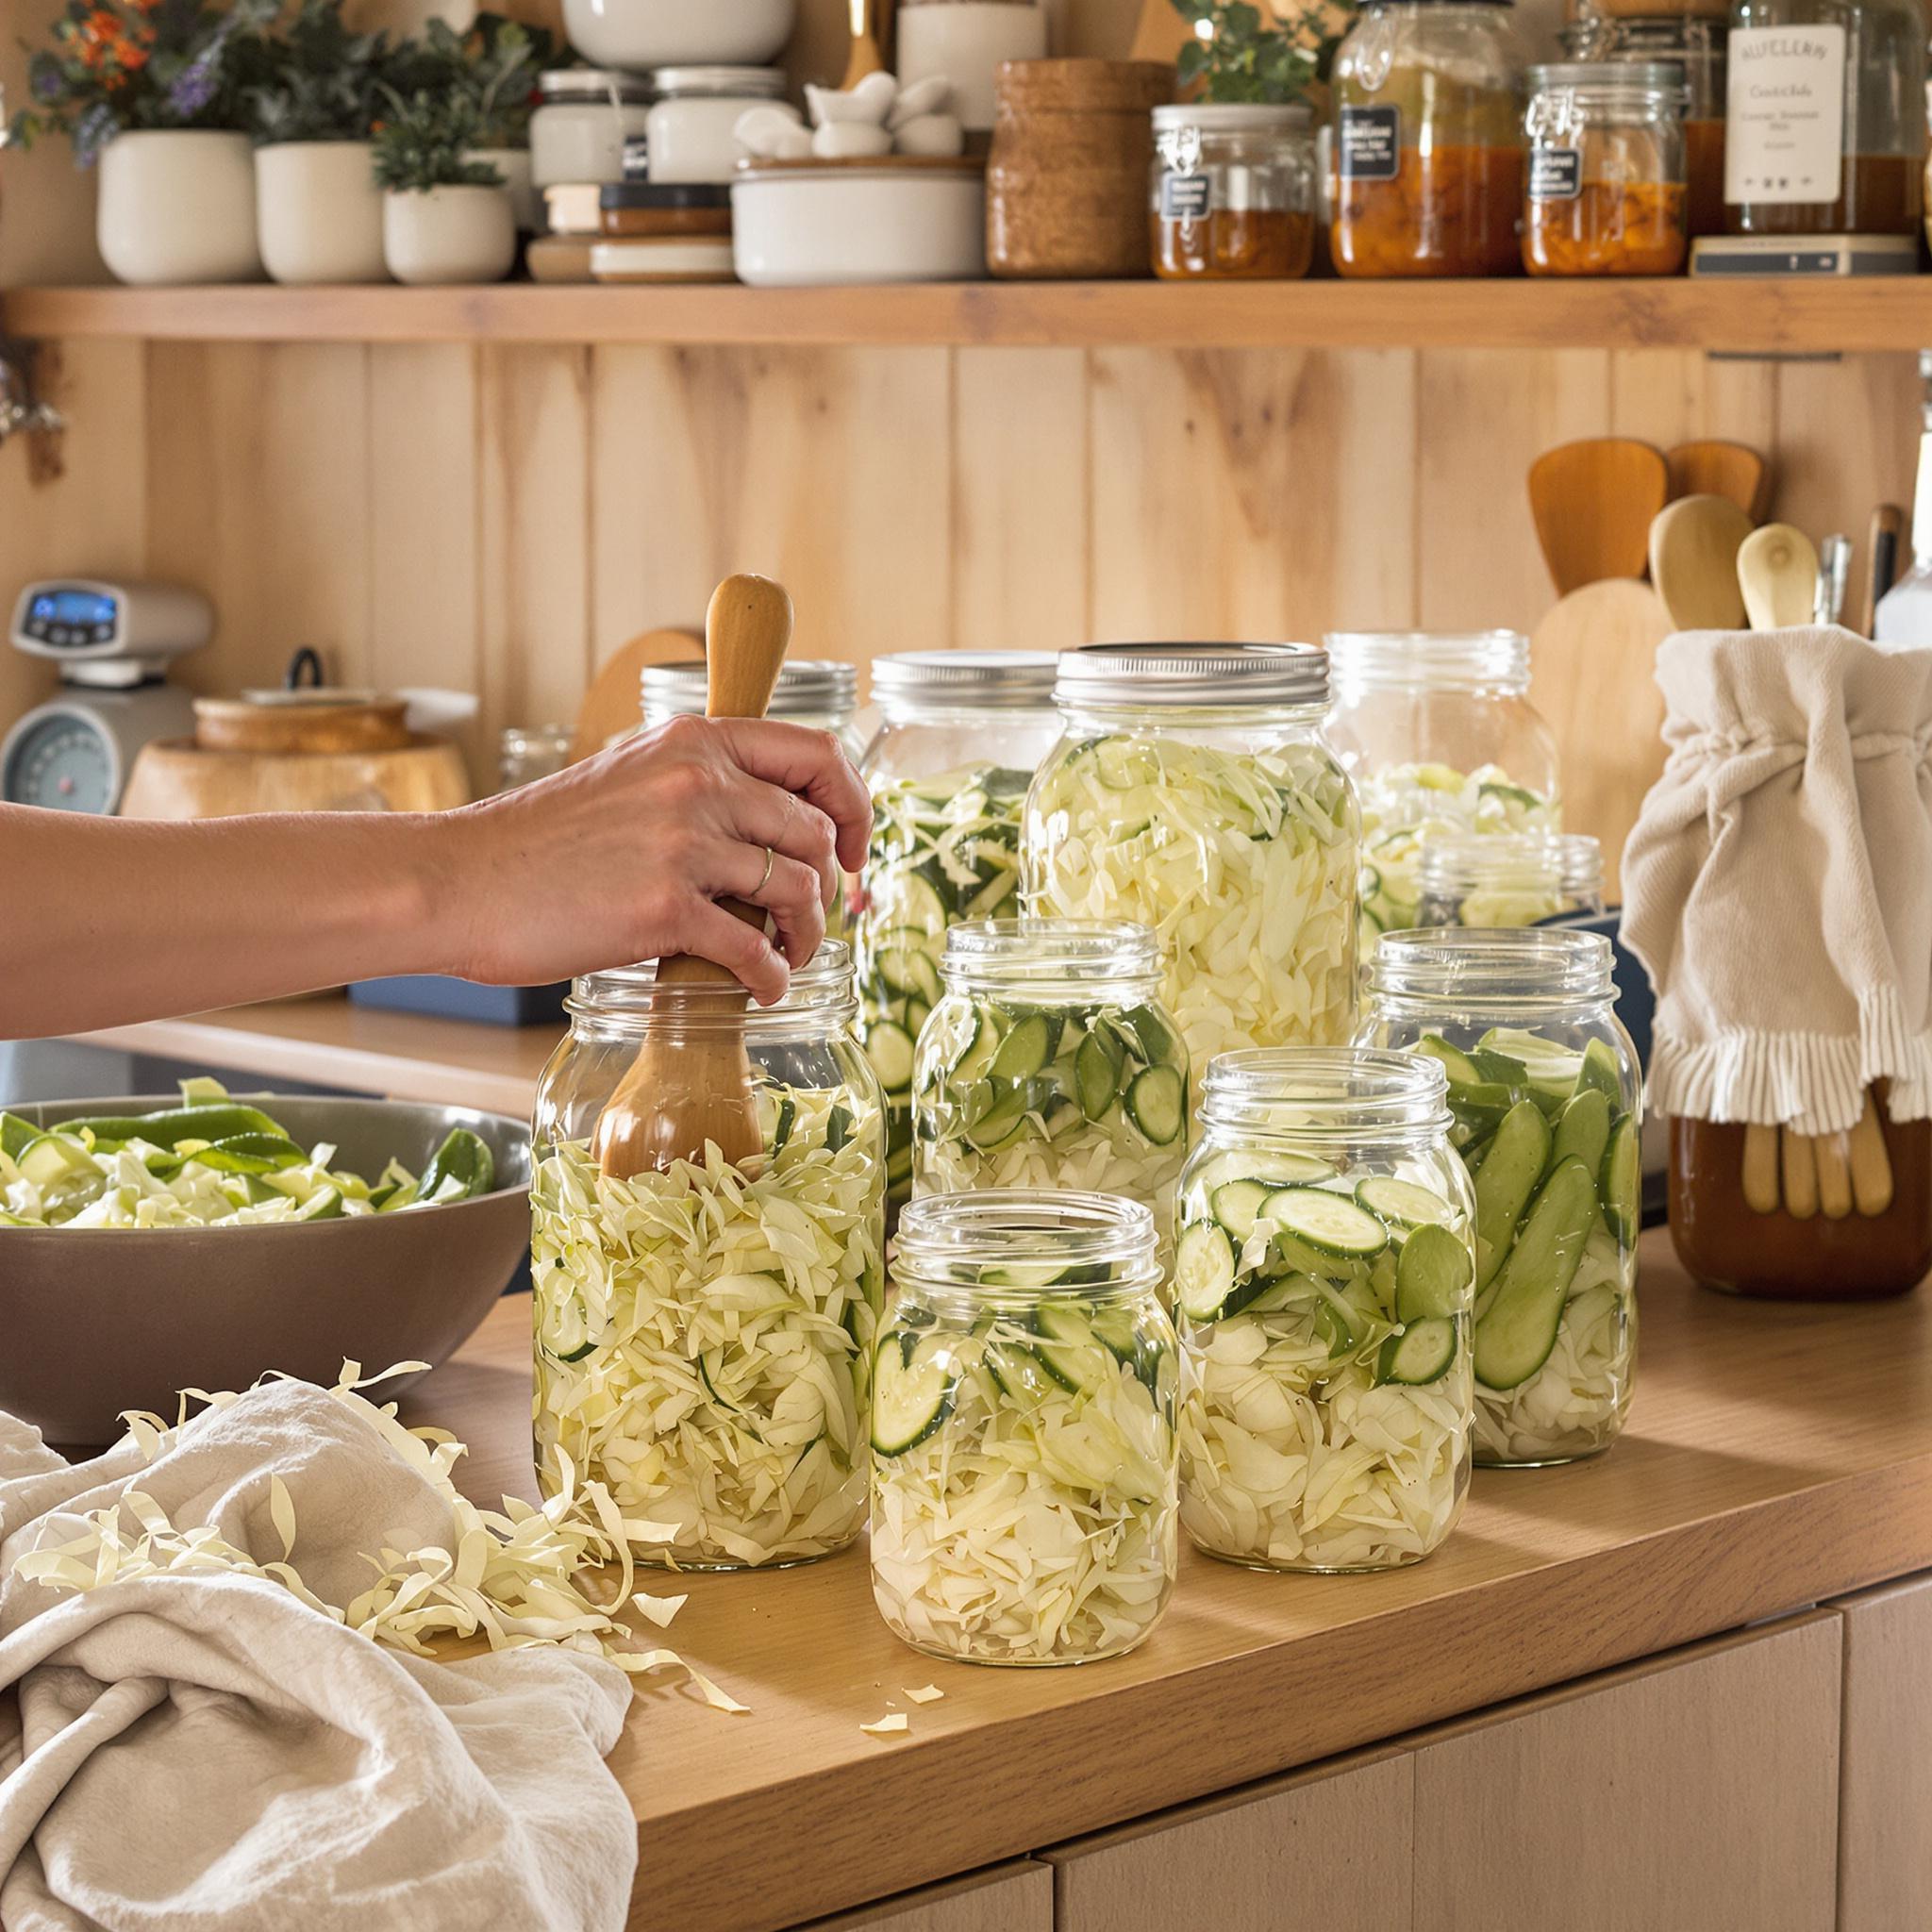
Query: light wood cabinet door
x,y
1004,1898
1884,1777
1329,1844
1695,1792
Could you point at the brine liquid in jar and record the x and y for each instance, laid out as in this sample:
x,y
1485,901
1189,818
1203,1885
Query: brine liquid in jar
x,y
1233,191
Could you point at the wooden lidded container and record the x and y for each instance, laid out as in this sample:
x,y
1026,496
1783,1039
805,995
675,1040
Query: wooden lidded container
x,y
1066,182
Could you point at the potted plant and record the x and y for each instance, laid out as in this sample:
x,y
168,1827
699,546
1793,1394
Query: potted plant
x,y
318,209
445,215
1243,53
154,90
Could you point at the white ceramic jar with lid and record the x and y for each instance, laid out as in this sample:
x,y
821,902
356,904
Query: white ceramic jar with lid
x,y
688,127
579,132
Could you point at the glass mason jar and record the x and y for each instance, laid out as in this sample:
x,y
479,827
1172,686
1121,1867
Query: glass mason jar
x,y
1524,878
1439,736
1826,125
1192,790
1022,1472
1547,1095
585,116
1607,191
1051,1063
1233,191
1427,158
528,752
1322,1288
705,1334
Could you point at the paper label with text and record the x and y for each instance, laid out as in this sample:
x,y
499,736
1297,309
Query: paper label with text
x,y
1785,138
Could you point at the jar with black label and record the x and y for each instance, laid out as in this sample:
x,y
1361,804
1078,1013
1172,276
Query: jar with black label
x,y
1606,189
1826,123
1427,163
1232,191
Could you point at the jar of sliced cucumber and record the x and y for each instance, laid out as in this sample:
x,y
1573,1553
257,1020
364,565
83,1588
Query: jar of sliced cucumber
x,y
1051,1063
1023,1430
961,734
1508,878
1194,792
1322,1288
1546,1092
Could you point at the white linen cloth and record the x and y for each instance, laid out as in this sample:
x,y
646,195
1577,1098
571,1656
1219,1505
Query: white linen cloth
x,y
1778,882
206,1752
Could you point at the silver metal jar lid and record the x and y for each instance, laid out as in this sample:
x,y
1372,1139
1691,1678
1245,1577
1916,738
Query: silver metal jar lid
x,y
1660,75
1234,117
598,86
807,688
722,83
976,680
1224,676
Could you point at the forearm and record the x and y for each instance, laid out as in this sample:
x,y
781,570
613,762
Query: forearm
x,y
105,922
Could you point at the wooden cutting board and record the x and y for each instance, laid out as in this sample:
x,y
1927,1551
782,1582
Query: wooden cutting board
x,y
1593,664
614,703
1720,469
1593,503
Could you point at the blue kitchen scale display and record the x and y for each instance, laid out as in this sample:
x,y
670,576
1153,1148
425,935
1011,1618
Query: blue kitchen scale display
x,y
111,642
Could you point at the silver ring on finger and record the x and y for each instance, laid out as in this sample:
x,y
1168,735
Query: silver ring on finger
x,y
767,879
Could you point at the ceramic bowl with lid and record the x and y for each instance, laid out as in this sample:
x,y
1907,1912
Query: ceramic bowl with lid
x,y
897,218
644,34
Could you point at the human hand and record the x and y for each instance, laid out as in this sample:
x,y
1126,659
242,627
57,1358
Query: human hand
x,y
624,855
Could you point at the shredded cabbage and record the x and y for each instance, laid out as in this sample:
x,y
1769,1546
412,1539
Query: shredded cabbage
x,y
704,1336
1244,863
1035,1523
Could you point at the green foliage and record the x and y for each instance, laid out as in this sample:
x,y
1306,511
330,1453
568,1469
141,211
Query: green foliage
x,y
1240,56
493,63
324,82
424,141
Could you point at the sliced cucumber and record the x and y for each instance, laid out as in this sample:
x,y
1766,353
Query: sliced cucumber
x,y
1622,1181
1330,1222
1203,1270
1462,1071
1432,1276
1599,1069
1583,1128
1498,1069
888,1047
1159,1102
1509,1173
1241,1164
1027,1048
1070,1350
1018,1373
926,978
1402,1205
1421,1353
49,1160
913,1387
1096,1075
1237,1205
998,1116
1158,1047
1550,1069
903,898
1516,1332
976,1048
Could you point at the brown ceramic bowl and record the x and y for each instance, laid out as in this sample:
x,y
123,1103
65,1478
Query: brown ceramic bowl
x,y
93,1320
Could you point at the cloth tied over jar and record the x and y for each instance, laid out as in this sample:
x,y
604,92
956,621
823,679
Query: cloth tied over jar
x,y
1778,882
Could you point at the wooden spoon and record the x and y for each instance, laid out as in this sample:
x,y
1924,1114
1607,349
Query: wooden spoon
x,y
865,57
1693,563
1593,503
1720,469
1777,572
692,1083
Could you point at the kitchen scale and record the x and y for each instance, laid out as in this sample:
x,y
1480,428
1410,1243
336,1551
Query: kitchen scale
x,y
112,642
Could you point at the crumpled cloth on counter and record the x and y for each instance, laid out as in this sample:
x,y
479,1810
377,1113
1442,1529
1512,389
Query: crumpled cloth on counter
x,y
205,1750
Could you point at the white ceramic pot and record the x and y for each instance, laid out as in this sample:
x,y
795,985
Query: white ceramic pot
x,y
454,234
901,221
513,164
965,41
177,205
688,134
318,212
641,34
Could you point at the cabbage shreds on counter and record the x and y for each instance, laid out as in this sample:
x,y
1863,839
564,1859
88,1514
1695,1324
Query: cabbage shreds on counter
x,y
704,1335
1405,806
1022,1495
943,850
211,1162
1090,1098
1325,1364
1244,863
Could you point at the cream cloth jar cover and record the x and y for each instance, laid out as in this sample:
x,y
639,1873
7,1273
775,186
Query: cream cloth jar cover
x,y
1778,882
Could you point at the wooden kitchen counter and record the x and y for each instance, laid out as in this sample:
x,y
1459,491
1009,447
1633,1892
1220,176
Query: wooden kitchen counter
x,y
1777,1455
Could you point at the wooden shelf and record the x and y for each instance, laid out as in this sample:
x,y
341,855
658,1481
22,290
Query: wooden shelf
x,y
1777,1457
1760,316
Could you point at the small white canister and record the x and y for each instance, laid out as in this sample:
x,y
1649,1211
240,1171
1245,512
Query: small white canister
x,y
687,130
587,114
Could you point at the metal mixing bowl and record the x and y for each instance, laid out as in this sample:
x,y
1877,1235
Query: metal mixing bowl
x,y
93,1320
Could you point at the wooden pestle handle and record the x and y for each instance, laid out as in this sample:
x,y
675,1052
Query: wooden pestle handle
x,y
746,632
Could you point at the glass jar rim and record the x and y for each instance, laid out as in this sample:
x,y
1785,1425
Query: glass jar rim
x,y
1430,660
1451,964
1191,676
1573,862
910,682
1606,76
1331,1091
629,997
591,86
950,1242
1052,955
1234,117
807,687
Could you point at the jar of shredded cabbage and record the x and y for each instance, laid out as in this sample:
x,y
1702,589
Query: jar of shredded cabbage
x,y
1051,1063
1192,790
1439,736
1511,878
960,735
1322,1287
705,1335
1547,1098
1023,1430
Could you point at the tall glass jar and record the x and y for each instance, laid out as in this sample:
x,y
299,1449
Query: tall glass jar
x,y
1321,1286
1051,1063
1472,879
1233,191
1439,736
962,736
1023,1475
1547,1095
705,1334
1428,132
1192,790
1607,189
